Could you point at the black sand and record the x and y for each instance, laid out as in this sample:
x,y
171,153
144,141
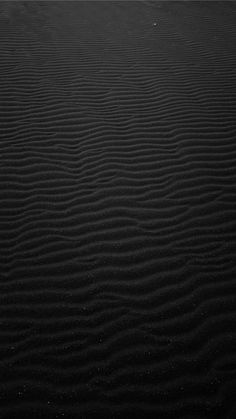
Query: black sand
x,y
117,215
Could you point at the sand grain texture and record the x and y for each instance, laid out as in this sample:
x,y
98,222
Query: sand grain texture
x,y
117,215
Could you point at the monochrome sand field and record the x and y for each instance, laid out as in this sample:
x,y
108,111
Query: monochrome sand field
x,y
117,209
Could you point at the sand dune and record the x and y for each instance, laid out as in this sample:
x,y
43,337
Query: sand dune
x,y
117,216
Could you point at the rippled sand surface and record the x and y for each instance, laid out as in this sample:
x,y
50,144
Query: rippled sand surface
x,y
117,209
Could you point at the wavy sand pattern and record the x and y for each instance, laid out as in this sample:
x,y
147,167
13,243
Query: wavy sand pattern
x,y
117,216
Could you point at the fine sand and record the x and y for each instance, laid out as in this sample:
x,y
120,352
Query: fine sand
x,y
117,209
